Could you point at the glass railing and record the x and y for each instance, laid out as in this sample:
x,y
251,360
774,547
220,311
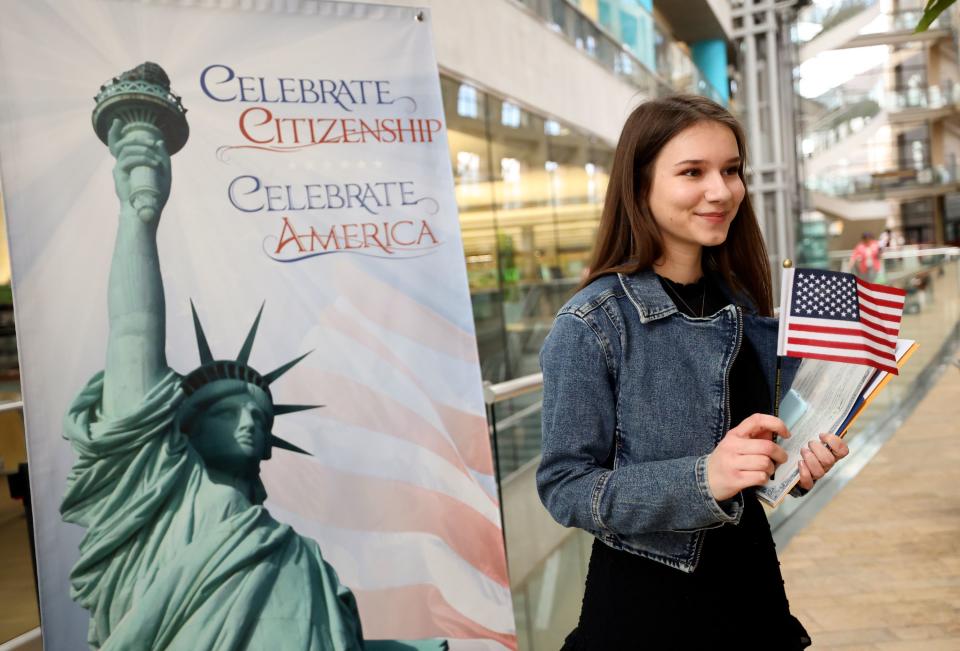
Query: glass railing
x,y
514,409
658,69
842,122
880,184
904,21
932,97
546,604
830,16
854,112
547,586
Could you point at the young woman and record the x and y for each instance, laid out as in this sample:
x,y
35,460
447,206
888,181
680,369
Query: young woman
x,y
658,385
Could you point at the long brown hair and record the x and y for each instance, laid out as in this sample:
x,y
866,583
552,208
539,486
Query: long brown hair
x,y
629,239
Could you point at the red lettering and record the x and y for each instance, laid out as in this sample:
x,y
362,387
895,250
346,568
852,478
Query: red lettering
x,y
293,237
296,132
347,237
348,131
324,244
425,230
367,130
393,234
326,133
268,117
372,236
386,129
433,126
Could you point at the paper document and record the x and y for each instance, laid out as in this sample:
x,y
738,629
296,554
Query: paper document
x,y
823,398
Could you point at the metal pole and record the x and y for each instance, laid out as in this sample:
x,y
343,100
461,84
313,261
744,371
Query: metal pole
x,y
753,117
776,135
496,470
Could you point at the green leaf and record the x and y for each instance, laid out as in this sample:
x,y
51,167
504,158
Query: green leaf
x,y
933,9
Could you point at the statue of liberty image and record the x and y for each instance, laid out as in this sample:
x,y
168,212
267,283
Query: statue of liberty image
x,y
179,552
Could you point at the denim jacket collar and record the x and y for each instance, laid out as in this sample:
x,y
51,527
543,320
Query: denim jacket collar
x,y
647,295
644,290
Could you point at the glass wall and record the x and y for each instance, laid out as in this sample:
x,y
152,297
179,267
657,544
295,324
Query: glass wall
x,y
529,190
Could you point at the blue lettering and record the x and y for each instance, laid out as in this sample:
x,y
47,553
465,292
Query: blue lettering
x,y
382,93
333,192
328,87
311,205
307,86
244,89
406,193
285,88
203,82
274,193
233,197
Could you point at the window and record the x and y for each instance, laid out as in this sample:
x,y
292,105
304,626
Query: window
x,y
467,101
468,167
510,115
510,170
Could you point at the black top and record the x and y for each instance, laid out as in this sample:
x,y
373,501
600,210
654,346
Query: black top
x,y
735,597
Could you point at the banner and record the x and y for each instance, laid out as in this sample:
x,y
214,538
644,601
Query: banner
x,y
252,394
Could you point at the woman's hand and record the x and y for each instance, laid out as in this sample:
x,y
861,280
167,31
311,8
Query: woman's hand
x,y
746,456
819,457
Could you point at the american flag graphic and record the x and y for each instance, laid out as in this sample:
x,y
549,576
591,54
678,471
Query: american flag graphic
x,y
838,317
399,487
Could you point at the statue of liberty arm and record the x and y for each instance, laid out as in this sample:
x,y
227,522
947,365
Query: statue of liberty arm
x,y
179,552
136,359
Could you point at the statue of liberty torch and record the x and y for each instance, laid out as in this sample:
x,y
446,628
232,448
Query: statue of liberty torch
x,y
179,552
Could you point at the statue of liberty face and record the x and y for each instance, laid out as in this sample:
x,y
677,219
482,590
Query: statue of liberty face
x,y
228,423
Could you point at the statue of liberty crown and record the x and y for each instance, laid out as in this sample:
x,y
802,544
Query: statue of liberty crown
x,y
213,370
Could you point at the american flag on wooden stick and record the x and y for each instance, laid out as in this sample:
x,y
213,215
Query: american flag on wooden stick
x,y
838,317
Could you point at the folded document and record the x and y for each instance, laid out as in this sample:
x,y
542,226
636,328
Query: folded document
x,y
825,397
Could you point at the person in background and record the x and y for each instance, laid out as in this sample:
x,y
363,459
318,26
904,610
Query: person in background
x,y
658,385
865,259
886,239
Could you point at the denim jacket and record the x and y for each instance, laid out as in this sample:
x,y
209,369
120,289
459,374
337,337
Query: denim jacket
x,y
635,396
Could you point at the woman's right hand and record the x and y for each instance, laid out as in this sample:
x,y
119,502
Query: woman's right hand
x,y
139,148
746,456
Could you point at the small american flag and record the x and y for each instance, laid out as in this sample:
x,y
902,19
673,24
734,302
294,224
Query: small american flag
x,y
839,317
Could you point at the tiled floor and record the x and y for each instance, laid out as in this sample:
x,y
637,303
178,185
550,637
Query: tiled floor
x,y
879,567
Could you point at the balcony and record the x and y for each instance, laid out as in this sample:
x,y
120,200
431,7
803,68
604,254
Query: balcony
x,y
838,24
862,23
856,119
898,28
660,67
898,183
849,125
921,104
